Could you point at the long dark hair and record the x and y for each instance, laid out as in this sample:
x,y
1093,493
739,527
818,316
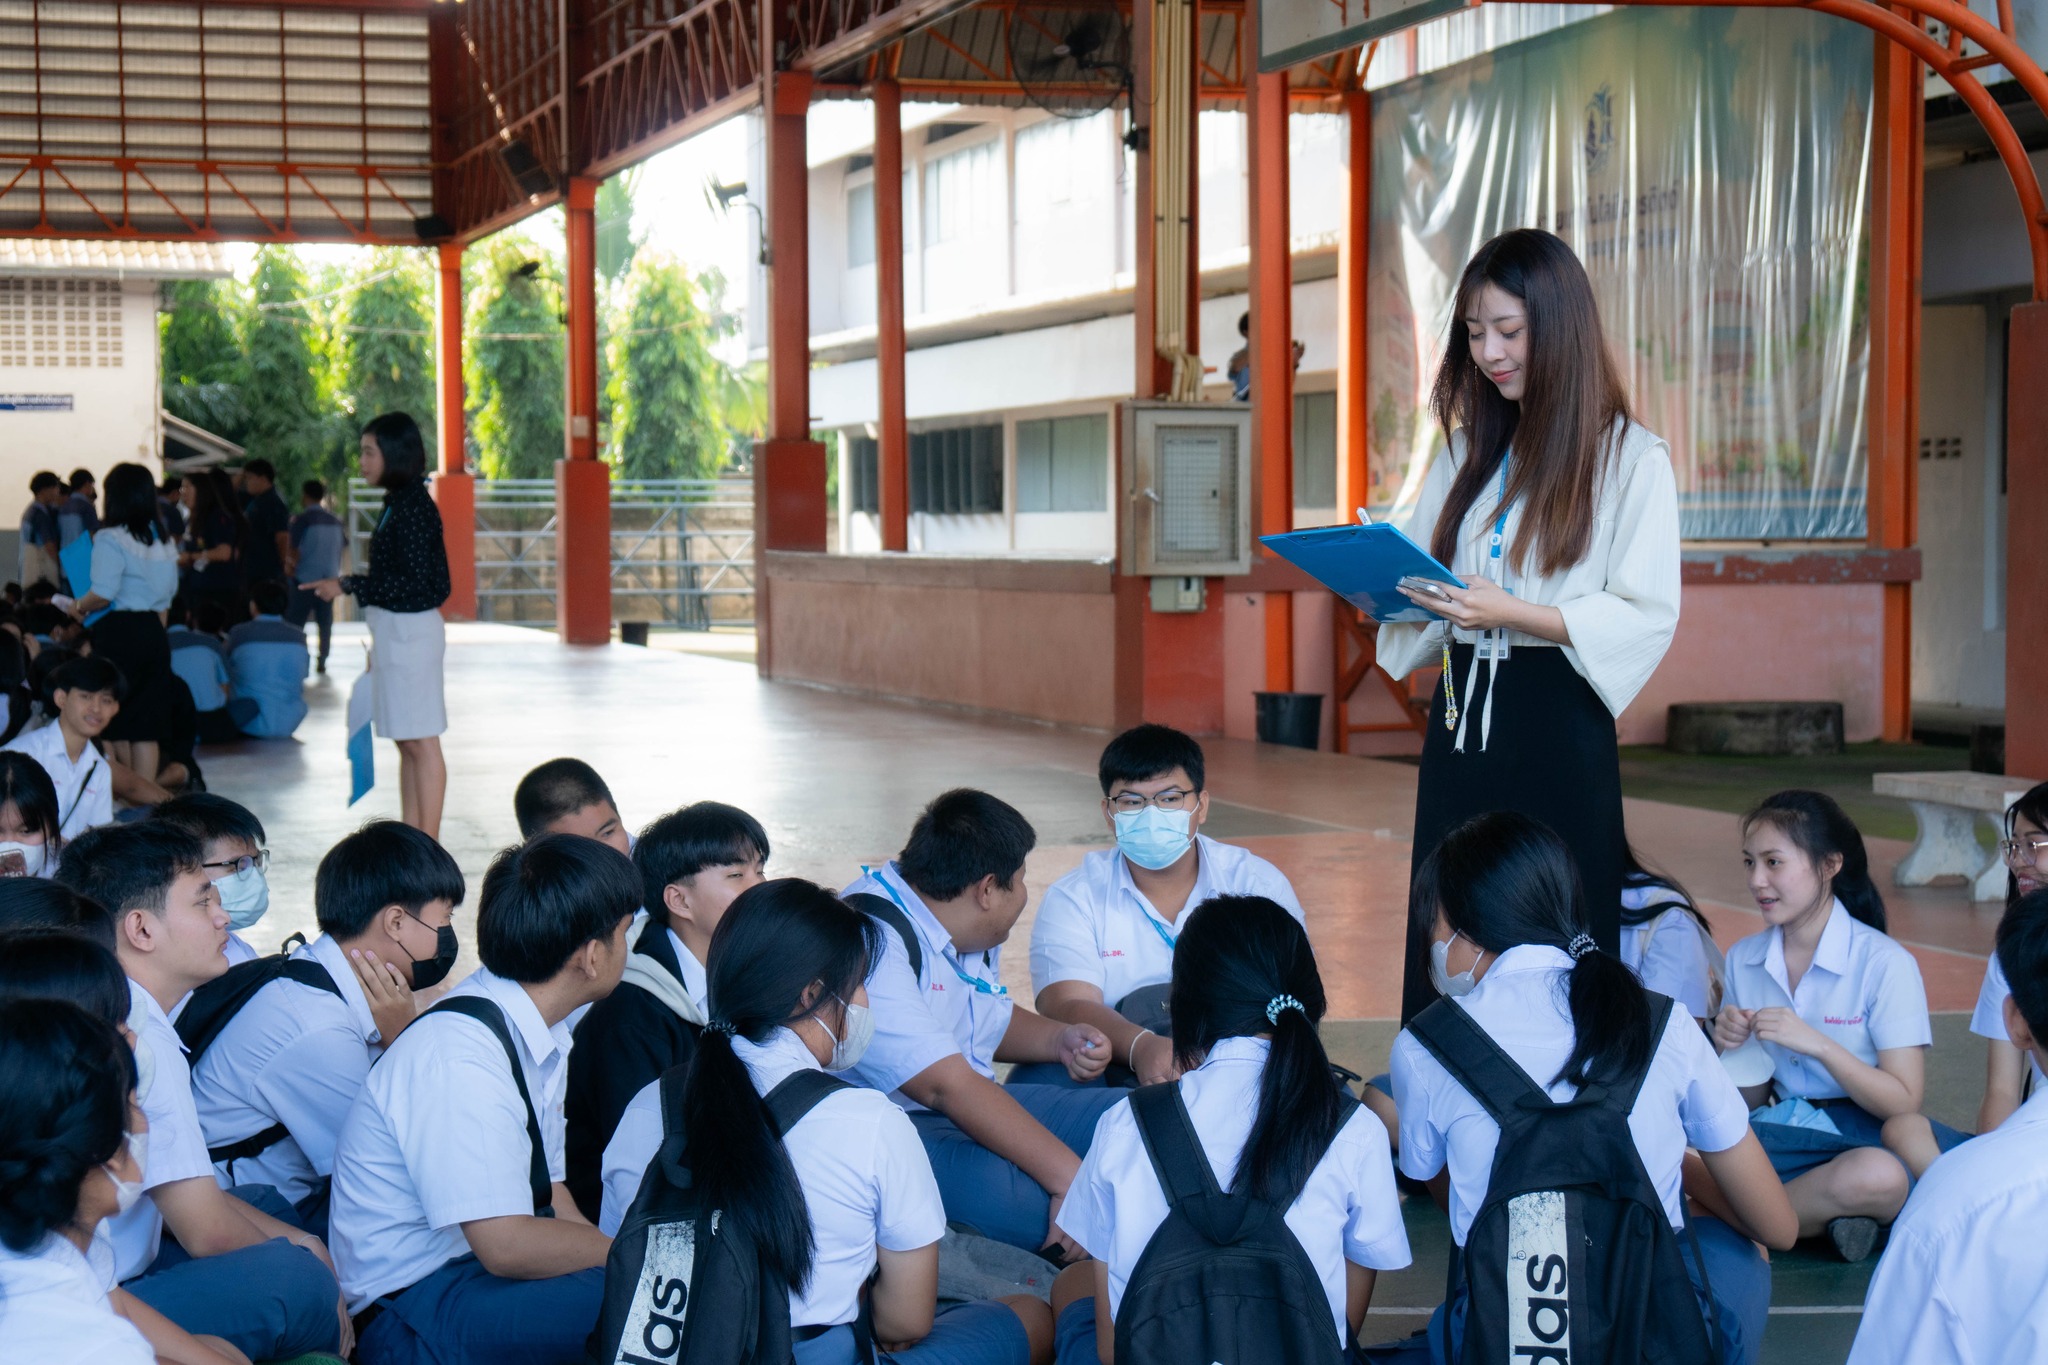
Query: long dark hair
x,y
776,942
1820,828
213,492
2033,805
128,500
1571,407
403,448
1503,880
26,786
67,1077
1237,956
1636,874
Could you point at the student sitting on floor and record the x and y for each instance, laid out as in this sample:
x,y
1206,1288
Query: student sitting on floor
x,y
1004,1155
846,1194
30,818
691,862
566,796
269,662
277,1081
218,1263
234,857
1667,942
456,1240
1511,953
1963,1279
1102,945
85,693
1831,1019
2008,1078
1268,1117
199,656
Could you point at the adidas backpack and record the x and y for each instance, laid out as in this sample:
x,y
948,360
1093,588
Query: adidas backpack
x,y
1571,1259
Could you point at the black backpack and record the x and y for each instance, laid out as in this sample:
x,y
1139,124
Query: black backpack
x,y
1223,1278
891,914
213,1007
671,1252
1571,1257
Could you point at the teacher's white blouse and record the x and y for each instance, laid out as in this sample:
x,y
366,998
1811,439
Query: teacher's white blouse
x,y
1620,602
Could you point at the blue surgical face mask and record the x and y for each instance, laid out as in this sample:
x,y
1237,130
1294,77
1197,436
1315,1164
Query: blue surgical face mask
x,y
1154,838
245,895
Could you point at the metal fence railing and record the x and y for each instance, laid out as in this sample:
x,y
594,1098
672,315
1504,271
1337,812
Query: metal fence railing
x,y
682,549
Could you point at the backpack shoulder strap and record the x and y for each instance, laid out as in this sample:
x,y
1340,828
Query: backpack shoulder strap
x,y
798,1094
488,1014
220,1000
1622,1098
1475,1061
891,914
1169,1134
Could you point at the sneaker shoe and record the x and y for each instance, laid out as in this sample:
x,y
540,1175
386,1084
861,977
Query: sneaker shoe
x,y
1854,1238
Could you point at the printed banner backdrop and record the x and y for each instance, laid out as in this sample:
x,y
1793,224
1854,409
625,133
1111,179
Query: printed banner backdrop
x,y
1711,167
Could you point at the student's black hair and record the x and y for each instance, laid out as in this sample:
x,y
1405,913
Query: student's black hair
x,y
1635,873
1237,957
1503,880
82,477
2023,956
40,618
68,1078
543,900
85,673
383,863
558,787
1148,751
129,500
211,816
179,613
39,592
130,867
779,940
42,479
264,469
2033,804
25,785
267,596
315,490
961,837
209,618
49,964
1821,828
404,451
31,904
684,842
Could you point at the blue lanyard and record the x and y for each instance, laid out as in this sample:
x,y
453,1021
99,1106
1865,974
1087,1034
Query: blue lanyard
x,y
1500,523
981,987
1161,930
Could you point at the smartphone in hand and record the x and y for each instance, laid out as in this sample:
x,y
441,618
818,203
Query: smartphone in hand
x,y
1428,587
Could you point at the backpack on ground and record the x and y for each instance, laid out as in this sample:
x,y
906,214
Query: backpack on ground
x,y
1570,1260
673,1252
213,1006
1224,1279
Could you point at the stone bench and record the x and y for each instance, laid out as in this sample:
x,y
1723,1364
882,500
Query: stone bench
x,y
1946,808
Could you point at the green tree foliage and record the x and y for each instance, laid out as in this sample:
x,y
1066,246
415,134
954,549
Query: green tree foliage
x,y
384,344
513,364
288,424
202,359
616,242
665,382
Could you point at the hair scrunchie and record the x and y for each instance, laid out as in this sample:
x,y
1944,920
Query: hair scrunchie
x,y
1279,1005
722,1027
1581,945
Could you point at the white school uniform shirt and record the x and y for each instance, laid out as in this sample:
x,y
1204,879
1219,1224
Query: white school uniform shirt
x,y
1863,990
1620,601
1681,961
1988,1019
1347,1212
295,1055
694,975
1095,926
955,1005
438,1139
1963,1280
85,789
1521,1002
54,1310
238,950
865,1177
177,1144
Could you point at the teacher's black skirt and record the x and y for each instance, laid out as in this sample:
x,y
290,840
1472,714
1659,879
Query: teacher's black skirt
x,y
1551,756
135,642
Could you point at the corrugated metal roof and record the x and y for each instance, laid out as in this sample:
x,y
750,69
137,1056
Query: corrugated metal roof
x,y
153,260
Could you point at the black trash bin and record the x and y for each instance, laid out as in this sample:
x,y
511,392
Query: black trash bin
x,y
1294,718
632,632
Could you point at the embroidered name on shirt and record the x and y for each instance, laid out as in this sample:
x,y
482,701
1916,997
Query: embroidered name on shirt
x,y
1110,952
1838,1019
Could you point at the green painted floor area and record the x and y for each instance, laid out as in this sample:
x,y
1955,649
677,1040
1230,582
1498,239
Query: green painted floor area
x,y
1734,784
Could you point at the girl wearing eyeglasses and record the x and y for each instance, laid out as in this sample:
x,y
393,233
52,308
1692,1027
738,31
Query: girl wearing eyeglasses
x,y
2007,1078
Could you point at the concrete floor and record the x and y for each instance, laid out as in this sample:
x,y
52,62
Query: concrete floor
x,y
837,780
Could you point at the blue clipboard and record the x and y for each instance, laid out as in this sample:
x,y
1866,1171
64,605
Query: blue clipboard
x,y
1363,565
76,561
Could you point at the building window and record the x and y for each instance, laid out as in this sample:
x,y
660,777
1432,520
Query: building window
x,y
1315,450
1063,464
860,226
963,193
957,470
60,324
864,473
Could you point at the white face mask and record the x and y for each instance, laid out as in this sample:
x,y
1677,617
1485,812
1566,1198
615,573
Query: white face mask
x,y
860,1031
34,858
1440,970
245,895
1153,838
128,1192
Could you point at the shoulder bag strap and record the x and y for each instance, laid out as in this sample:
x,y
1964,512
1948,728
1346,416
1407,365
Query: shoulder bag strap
x,y
1623,1097
1476,1062
891,914
797,1095
1169,1134
488,1014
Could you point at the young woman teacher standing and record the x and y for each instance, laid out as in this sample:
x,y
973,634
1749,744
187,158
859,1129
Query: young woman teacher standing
x,y
401,597
1560,514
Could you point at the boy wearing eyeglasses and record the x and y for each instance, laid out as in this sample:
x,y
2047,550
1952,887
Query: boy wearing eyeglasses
x,y
1102,947
1003,1155
236,861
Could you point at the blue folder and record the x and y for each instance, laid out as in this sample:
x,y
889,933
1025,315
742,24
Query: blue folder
x,y
1363,565
76,561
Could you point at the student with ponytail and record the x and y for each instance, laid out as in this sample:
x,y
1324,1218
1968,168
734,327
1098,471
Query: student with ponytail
x,y
1826,1024
1246,1002
847,1193
1499,903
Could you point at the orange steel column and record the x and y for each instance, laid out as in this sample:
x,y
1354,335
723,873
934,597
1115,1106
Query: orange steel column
x,y
583,514
2026,549
1354,265
1272,348
893,439
454,486
1895,161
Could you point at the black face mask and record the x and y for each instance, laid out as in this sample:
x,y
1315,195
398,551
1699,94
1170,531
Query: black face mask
x,y
432,971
